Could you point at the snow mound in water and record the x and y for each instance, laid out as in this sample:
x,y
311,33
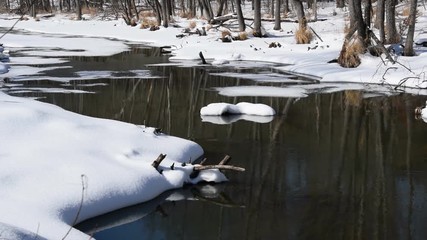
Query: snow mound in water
x,y
217,109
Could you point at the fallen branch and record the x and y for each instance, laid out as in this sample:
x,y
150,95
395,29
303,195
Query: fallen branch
x,y
381,46
315,34
220,167
157,162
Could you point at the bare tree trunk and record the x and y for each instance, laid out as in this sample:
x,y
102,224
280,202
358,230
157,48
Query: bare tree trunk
x,y
409,48
257,18
221,8
78,10
240,18
392,35
272,8
165,13
356,19
314,8
368,8
277,16
297,4
379,21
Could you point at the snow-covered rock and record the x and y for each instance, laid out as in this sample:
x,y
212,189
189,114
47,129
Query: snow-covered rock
x,y
217,109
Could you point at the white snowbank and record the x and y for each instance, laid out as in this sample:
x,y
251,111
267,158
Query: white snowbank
x,y
310,59
222,120
217,109
50,157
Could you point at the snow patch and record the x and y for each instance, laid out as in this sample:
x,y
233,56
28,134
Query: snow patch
x,y
217,109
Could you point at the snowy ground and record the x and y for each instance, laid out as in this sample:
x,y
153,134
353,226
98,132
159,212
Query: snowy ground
x,y
311,62
53,159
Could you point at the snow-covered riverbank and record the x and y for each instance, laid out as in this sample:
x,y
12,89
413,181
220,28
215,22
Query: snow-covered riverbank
x,y
57,165
311,59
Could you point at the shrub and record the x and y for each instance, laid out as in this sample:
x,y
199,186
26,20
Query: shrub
x,y
349,55
303,35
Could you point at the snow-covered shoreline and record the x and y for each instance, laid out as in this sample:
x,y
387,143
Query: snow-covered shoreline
x,y
51,156
54,160
309,59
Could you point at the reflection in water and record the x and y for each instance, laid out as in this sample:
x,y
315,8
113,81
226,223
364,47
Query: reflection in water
x,y
328,166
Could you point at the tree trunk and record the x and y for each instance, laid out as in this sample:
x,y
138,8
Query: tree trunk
x,y
392,35
299,9
379,21
165,13
314,8
409,48
240,18
277,16
356,19
78,10
220,8
257,18
368,9
340,4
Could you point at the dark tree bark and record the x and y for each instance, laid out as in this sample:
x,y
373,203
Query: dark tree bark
x,y
286,7
257,18
165,13
221,7
298,8
368,9
240,18
392,34
379,21
207,9
277,16
356,19
78,10
409,48
340,4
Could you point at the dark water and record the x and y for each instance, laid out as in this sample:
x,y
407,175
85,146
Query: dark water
x,y
328,166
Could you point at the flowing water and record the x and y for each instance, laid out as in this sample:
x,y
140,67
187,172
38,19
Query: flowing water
x,y
338,165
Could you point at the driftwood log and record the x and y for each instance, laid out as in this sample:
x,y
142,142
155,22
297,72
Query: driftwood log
x,y
222,165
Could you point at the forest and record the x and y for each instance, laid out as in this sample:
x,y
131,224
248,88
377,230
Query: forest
x,y
364,17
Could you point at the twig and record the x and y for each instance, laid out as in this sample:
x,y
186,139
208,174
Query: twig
x,y
203,161
225,160
83,177
403,80
394,68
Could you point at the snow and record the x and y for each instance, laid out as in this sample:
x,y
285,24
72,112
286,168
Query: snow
x,y
52,159
309,59
218,109
49,154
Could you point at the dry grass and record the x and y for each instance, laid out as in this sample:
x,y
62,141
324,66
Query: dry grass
x,y
146,14
353,98
303,35
89,10
242,36
208,27
148,22
187,15
349,55
192,24
406,11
